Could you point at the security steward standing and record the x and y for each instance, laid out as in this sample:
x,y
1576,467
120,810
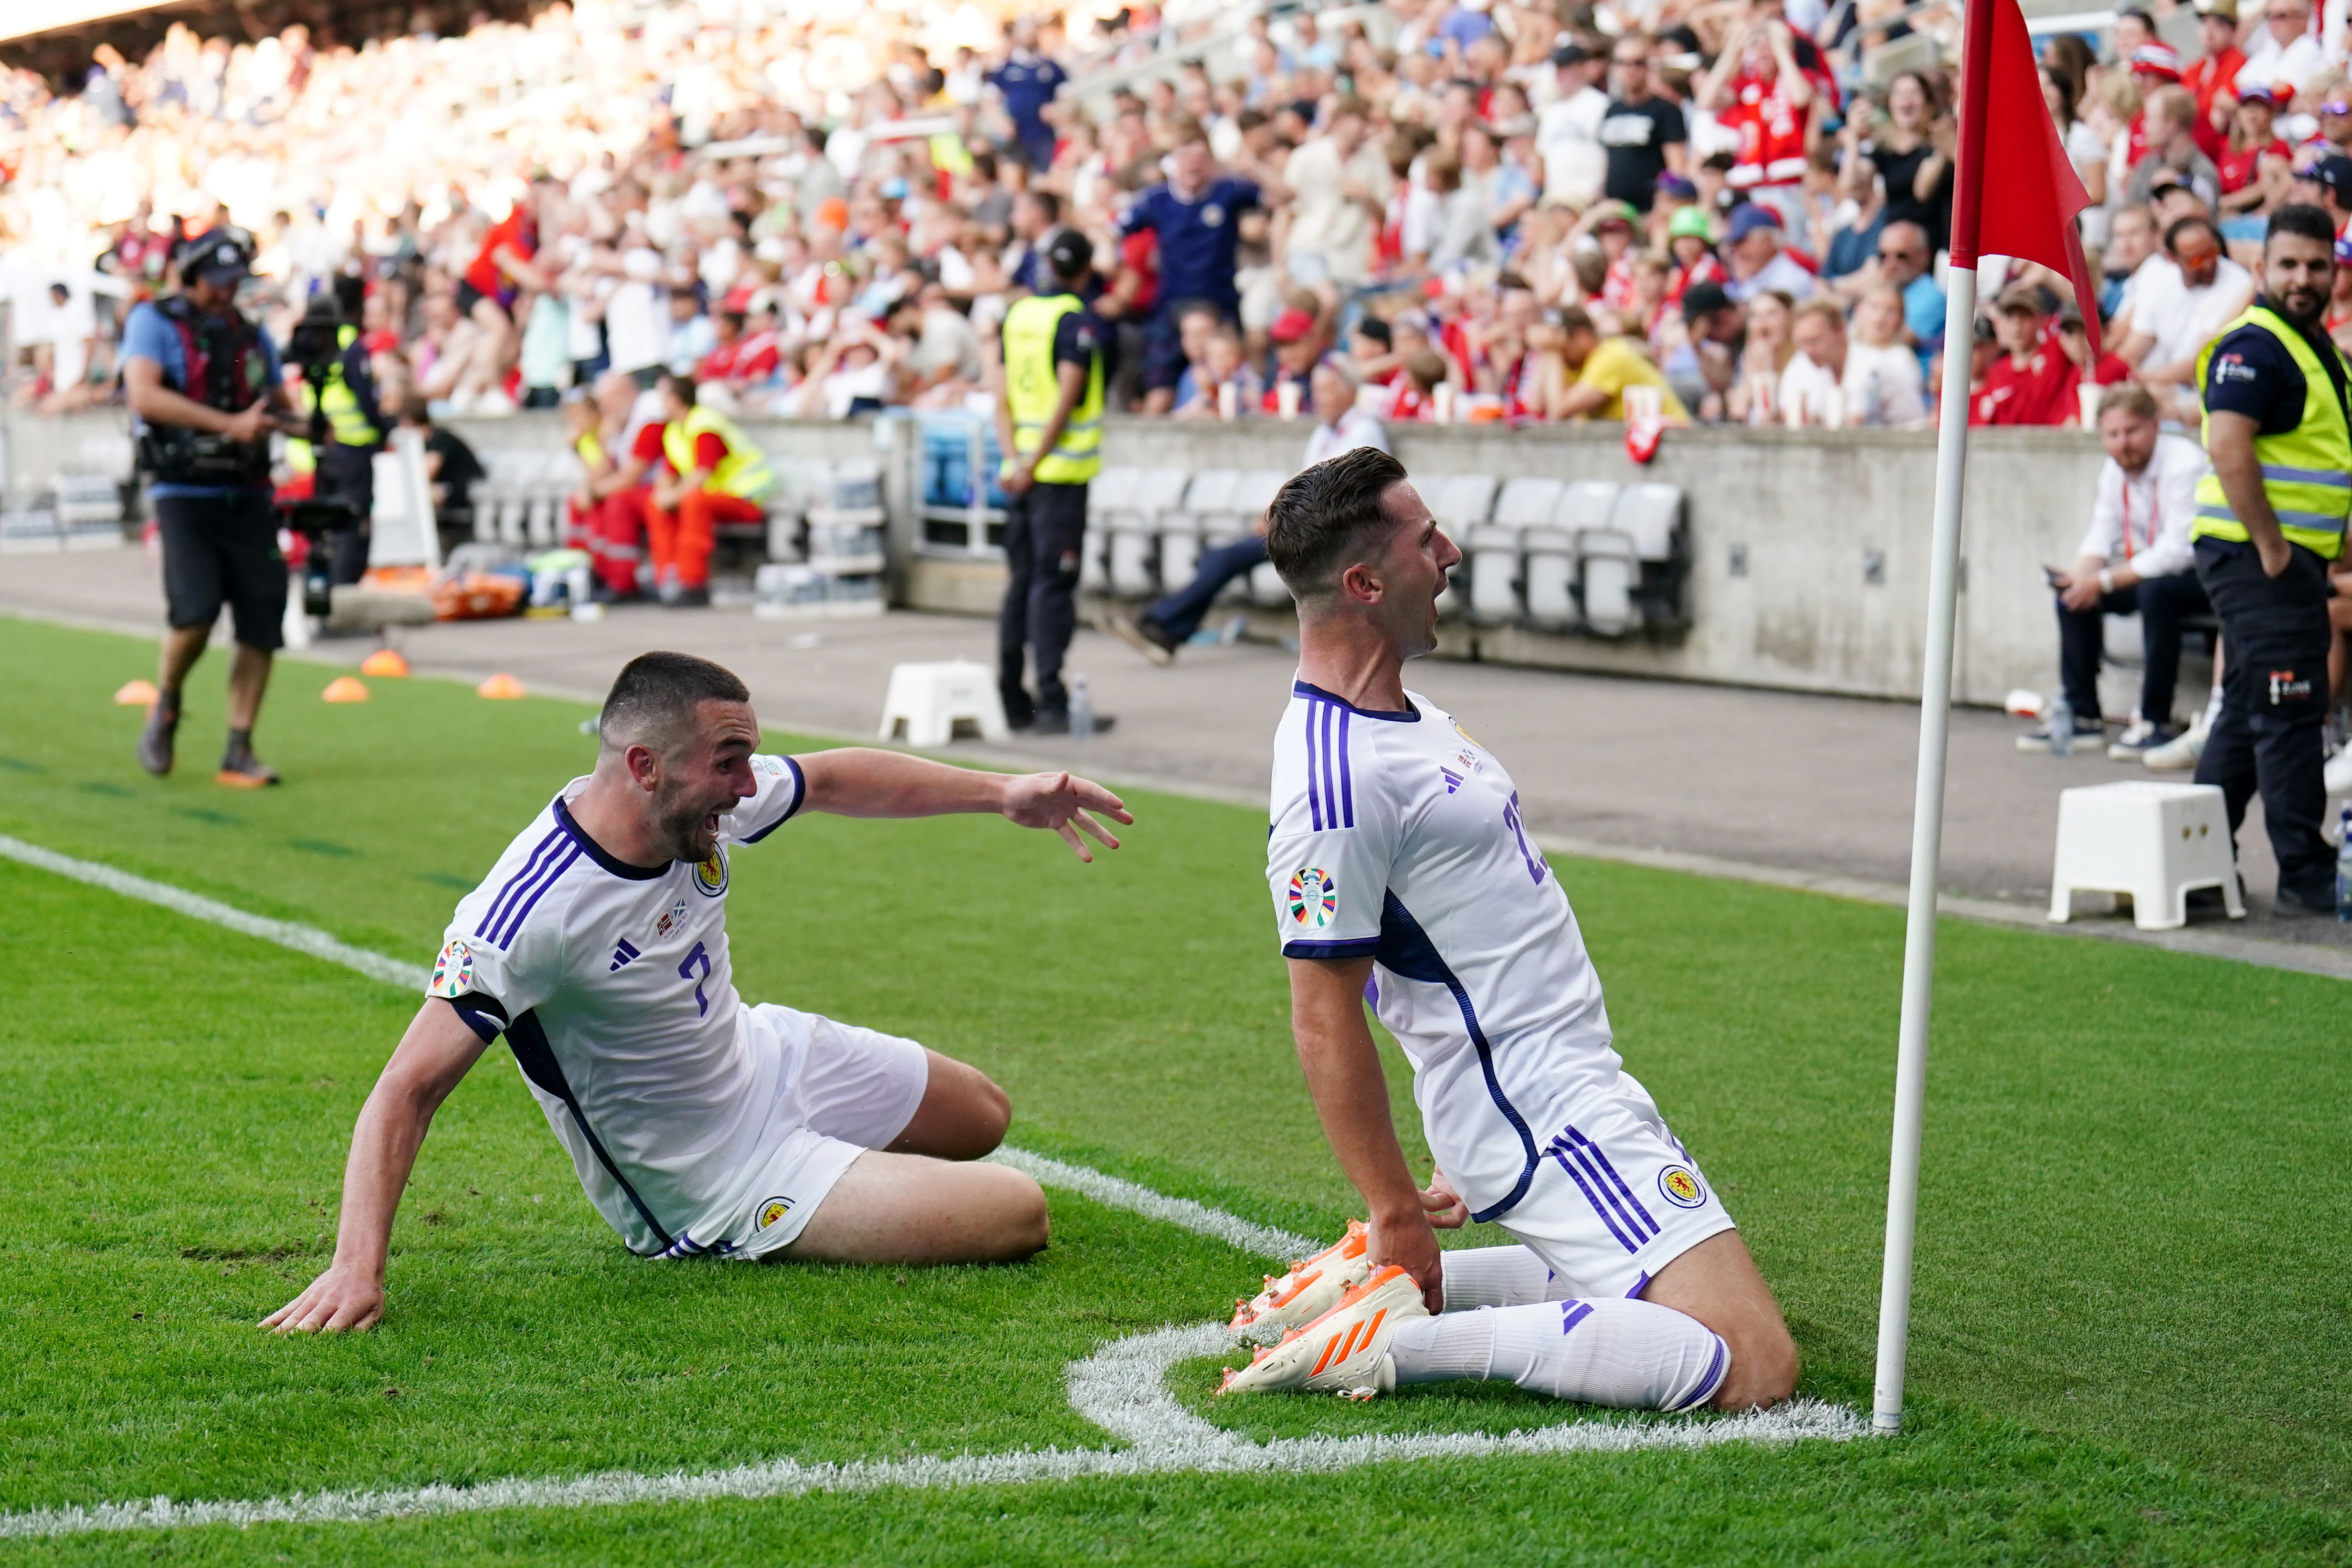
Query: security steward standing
x,y
338,382
1049,424
2270,517
203,387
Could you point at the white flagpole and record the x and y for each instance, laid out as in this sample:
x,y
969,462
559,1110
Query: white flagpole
x,y
1927,849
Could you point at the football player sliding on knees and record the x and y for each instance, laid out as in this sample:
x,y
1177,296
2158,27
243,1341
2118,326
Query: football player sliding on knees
x,y
1402,876
700,1126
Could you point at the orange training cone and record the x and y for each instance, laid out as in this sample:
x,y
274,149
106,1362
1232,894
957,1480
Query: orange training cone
x,y
137,694
500,688
383,662
345,689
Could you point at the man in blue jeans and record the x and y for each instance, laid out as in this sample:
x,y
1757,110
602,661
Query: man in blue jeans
x,y
1158,631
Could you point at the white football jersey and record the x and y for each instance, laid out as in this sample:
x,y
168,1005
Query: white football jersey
x,y
612,985
1395,836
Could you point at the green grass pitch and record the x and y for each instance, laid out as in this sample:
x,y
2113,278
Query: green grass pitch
x,y
2130,1336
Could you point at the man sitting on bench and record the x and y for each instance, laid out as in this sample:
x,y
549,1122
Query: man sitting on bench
x,y
2136,559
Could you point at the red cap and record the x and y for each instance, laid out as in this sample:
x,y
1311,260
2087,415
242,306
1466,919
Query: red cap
x,y
1291,326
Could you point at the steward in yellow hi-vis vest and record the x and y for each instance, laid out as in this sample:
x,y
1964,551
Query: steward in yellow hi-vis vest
x,y
338,382
712,473
1049,426
2271,515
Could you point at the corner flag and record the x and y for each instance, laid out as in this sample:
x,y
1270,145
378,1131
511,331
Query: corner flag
x,y
2004,125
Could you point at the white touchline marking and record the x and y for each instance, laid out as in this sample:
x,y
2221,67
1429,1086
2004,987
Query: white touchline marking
x,y
1122,1387
285,933
1266,1240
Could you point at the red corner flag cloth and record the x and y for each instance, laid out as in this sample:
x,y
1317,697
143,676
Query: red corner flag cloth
x,y
2031,193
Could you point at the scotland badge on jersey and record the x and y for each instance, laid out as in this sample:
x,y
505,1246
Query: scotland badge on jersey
x,y
710,875
453,971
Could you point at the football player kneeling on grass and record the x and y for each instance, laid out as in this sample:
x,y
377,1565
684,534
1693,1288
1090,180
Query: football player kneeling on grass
x,y
1403,874
700,1126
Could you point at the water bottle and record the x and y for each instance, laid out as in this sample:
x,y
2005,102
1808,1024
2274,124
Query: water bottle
x,y
1082,709
2061,726
2344,867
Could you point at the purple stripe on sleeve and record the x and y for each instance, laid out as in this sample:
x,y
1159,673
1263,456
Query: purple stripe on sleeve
x,y
555,875
507,893
1347,782
1330,778
1314,790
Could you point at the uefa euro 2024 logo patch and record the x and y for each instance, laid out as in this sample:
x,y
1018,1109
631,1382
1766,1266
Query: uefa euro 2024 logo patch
x,y
453,971
1314,897
1679,1184
710,875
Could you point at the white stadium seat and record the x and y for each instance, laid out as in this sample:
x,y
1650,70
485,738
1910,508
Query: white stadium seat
x,y
1550,554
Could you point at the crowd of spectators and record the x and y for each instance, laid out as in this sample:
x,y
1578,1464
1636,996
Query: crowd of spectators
x,y
1490,210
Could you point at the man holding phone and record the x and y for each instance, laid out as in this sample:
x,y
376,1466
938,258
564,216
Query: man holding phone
x,y
2135,560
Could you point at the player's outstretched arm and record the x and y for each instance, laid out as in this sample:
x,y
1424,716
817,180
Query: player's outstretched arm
x,y
431,1058
863,781
1351,1097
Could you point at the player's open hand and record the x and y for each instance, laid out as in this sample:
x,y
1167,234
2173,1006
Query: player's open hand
x,y
1066,805
337,1302
1445,1206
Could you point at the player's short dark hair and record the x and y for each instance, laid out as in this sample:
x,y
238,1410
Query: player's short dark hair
x,y
1321,520
654,698
2300,218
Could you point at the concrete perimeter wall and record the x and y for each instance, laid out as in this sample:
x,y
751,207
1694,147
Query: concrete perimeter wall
x,y
1831,530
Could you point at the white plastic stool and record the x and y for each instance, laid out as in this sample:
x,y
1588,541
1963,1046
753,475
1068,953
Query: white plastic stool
x,y
2155,842
927,701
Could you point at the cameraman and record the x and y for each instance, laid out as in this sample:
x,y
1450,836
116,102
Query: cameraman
x,y
341,402
203,383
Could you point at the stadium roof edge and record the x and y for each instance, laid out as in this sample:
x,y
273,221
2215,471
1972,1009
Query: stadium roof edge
x,y
30,18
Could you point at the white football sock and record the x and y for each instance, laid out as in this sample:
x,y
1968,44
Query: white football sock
x,y
1500,1276
1629,1354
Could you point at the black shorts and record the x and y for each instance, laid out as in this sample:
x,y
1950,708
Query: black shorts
x,y
223,549
468,294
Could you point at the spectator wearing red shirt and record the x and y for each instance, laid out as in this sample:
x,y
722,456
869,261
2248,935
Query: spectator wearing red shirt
x,y
1758,89
2254,162
607,512
743,358
504,267
2210,78
2104,369
2031,381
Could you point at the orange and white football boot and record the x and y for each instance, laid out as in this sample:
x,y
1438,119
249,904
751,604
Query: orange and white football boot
x,y
1311,1287
1344,1351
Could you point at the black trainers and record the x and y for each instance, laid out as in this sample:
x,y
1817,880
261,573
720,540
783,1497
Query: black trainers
x,y
1059,724
1143,635
156,740
2287,904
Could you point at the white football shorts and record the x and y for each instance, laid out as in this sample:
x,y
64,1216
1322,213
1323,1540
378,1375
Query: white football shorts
x,y
1615,1197
854,1089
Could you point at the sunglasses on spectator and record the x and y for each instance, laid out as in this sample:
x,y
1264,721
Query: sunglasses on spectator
x,y
2336,105
1900,254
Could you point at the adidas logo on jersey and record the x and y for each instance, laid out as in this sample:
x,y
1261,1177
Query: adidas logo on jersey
x,y
1452,780
622,954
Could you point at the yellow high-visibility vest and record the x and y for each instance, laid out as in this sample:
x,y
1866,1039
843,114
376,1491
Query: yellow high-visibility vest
x,y
743,472
1032,390
2308,472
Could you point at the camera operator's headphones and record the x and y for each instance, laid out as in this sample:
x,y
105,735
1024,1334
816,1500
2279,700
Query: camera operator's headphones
x,y
225,249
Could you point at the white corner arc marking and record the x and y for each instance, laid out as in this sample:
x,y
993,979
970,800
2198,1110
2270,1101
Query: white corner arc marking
x,y
1123,1387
